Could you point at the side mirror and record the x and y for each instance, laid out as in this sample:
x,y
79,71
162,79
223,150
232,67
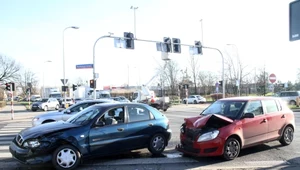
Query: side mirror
x,y
100,123
68,111
248,115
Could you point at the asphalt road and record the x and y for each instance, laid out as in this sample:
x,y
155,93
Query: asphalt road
x,y
270,156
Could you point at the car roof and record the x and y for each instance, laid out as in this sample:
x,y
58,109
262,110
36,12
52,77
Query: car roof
x,y
120,104
248,98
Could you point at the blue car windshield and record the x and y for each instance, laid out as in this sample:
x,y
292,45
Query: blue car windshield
x,y
230,109
85,116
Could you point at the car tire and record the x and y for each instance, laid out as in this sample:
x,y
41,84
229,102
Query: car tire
x,y
287,136
66,157
157,144
232,149
57,107
184,101
33,110
195,102
45,108
292,102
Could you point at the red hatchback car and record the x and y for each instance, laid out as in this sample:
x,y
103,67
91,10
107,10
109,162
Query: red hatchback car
x,y
231,124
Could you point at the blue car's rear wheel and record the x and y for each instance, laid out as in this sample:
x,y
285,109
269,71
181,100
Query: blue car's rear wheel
x,y
157,144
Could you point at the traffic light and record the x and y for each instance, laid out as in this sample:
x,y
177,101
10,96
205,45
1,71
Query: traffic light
x,y
8,87
221,83
176,45
92,84
13,86
129,43
75,87
64,88
167,45
198,46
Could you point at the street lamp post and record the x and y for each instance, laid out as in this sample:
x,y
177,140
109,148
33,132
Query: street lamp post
x,y
48,61
134,8
201,20
64,71
239,69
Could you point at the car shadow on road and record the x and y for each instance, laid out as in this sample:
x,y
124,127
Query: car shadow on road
x,y
292,164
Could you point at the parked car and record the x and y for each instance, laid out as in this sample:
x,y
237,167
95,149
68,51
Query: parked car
x,y
67,113
232,124
99,130
121,99
194,99
69,101
45,104
289,96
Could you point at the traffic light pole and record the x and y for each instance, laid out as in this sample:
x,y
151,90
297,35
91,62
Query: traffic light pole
x,y
11,102
223,85
135,39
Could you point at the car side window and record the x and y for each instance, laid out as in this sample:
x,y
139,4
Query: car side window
x,y
271,106
113,116
254,107
138,113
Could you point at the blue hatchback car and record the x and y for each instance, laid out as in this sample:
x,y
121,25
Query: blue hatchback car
x,y
99,130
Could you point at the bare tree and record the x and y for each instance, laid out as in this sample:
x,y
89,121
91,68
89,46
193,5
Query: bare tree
x,y
79,81
8,69
168,75
194,70
235,73
207,80
27,79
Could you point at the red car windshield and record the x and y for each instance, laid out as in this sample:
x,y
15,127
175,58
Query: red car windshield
x,y
230,109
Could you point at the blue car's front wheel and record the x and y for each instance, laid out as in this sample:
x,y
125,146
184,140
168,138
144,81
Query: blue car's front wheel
x,y
157,144
66,157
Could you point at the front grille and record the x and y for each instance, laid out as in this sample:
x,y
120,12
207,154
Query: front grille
x,y
192,133
187,145
19,140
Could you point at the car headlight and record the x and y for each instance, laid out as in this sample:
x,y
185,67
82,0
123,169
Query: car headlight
x,y
208,136
33,143
35,119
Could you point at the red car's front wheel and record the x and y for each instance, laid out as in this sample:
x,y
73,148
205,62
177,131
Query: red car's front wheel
x,y
232,149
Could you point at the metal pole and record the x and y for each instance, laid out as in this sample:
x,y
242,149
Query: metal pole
x,y
94,71
11,102
64,71
202,30
134,8
223,86
43,83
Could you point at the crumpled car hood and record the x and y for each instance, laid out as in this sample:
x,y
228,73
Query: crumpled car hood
x,y
43,129
211,121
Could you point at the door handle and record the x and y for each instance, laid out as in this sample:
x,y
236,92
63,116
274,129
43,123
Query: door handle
x,y
150,124
283,116
120,129
264,121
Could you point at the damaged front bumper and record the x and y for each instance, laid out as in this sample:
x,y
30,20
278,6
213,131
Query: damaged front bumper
x,y
200,149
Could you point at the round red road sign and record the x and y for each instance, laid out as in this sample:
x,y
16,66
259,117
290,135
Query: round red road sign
x,y
272,78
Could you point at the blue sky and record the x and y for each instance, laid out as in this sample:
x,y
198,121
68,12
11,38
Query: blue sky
x,y
31,32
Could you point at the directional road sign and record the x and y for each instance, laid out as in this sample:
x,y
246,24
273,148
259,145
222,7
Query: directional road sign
x,y
84,66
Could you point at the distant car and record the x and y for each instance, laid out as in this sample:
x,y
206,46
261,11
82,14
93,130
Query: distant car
x,y
121,99
45,104
289,96
231,124
99,130
69,101
194,99
67,113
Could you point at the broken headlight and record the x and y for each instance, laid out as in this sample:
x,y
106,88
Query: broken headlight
x,y
32,143
208,136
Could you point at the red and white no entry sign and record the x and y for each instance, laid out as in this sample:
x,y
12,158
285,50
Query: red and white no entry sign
x,y
272,78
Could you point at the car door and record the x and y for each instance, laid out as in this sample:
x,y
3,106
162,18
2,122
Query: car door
x,y
191,99
275,116
141,126
110,138
254,129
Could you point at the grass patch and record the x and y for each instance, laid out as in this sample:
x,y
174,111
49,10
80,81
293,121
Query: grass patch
x,y
26,104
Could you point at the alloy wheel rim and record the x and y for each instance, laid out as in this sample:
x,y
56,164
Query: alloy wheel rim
x,y
232,149
66,158
288,135
158,143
